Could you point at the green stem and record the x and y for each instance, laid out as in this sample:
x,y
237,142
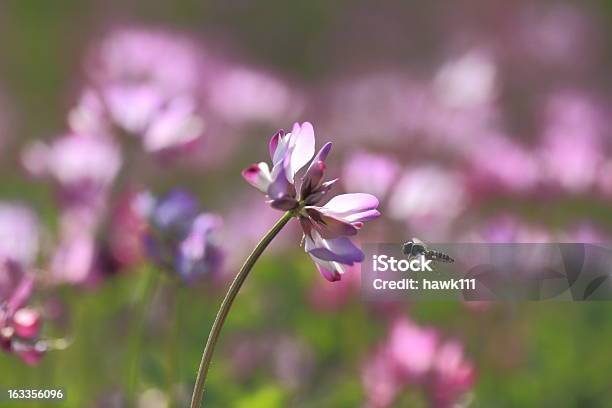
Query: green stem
x,y
215,331
142,301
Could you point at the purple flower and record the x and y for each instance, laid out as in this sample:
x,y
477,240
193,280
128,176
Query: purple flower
x,y
180,237
326,228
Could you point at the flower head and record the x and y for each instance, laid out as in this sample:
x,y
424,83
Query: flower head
x,y
20,324
83,166
416,355
144,83
326,228
180,237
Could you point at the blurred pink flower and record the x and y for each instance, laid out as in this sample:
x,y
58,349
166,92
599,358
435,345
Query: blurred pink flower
x,y
415,355
83,168
412,348
145,83
572,148
453,375
428,199
370,172
380,379
27,323
467,81
20,324
498,164
448,112
167,60
326,228
367,106
241,95
19,234
74,259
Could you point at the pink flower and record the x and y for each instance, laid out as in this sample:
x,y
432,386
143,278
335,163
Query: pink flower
x,y
380,380
370,172
84,168
19,234
27,322
74,259
499,164
415,355
82,165
453,375
429,199
138,54
572,146
144,83
413,348
241,95
20,324
467,81
326,227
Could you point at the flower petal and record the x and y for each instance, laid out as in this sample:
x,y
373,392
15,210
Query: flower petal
x,y
341,250
27,323
302,148
313,176
331,275
258,175
280,191
282,149
274,142
329,226
352,207
331,271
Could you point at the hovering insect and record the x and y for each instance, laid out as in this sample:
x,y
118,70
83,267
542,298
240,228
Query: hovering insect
x,y
417,247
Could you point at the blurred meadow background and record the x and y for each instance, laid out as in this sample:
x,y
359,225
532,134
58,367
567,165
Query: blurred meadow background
x,y
471,121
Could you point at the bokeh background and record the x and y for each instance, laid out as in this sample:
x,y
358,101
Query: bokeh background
x,y
471,121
